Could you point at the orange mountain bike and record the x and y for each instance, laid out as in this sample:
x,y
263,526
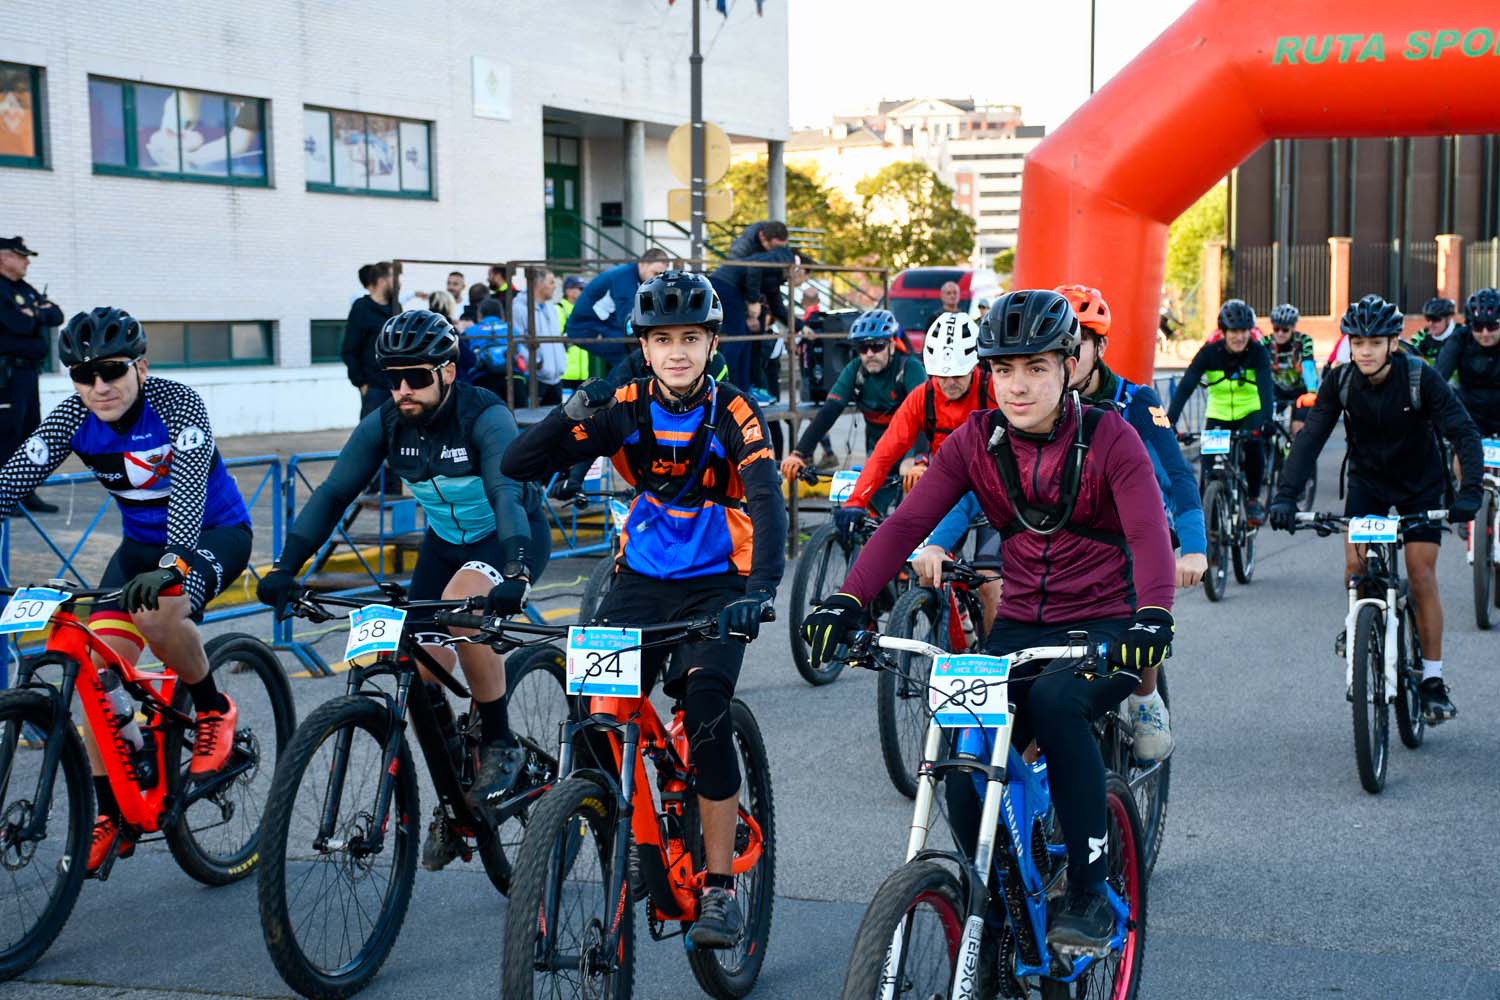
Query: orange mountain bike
x,y
211,825
570,929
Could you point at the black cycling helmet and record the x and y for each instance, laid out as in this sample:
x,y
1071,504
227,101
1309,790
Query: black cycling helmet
x,y
1439,308
677,298
106,332
417,337
875,324
1029,322
1371,316
1284,316
1236,315
1483,307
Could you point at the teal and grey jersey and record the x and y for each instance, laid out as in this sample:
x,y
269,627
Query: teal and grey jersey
x,y
451,464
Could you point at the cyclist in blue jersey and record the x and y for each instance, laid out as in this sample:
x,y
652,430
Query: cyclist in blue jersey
x,y
186,531
486,535
705,536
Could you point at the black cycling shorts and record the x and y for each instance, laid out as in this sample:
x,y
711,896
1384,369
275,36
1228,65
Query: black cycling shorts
x,y
644,600
1365,499
221,556
438,560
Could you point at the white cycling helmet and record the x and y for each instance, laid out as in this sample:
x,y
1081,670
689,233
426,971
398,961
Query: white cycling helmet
x,y
952,345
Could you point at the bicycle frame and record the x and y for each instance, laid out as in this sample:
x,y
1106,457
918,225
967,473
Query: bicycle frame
x,y
1018,792
1381,568
669,867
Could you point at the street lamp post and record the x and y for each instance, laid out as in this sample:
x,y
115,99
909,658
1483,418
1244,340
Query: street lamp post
x,y
696,159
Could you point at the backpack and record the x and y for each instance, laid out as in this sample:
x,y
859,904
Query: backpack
x,y
1048,519
859,377
664,485
929,417
1414,366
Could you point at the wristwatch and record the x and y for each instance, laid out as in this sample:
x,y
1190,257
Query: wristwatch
x,y
515,569
169,560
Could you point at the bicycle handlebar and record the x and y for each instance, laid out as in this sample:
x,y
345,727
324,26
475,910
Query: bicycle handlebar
x,y
1326,523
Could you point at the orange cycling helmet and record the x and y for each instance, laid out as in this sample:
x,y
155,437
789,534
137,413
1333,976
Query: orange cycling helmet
x,y
1089,304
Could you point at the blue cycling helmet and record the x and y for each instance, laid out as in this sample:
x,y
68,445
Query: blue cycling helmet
x,y
1236,315
877,324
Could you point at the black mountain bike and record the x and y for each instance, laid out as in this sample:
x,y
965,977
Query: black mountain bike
x,y
343,819
1280,446
1225,495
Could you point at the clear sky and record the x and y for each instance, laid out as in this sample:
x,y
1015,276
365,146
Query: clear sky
x,y
847,54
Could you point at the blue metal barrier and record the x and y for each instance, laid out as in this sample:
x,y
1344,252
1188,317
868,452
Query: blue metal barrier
x,y
68,570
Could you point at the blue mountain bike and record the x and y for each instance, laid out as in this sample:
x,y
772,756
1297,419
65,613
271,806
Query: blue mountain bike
x,y
928,932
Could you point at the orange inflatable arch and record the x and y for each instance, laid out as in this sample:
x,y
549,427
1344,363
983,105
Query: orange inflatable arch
x,y
1225,77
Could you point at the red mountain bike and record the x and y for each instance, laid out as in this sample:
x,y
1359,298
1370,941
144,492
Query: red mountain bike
x,y
211,825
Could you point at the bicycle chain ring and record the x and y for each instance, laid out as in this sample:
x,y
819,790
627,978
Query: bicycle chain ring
x,y
16,854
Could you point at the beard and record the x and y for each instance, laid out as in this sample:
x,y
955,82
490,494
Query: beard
x,y
421,414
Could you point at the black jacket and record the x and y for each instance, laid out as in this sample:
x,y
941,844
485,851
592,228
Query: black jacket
x,y
1478,370
23,337
761,284
1391,446
366,317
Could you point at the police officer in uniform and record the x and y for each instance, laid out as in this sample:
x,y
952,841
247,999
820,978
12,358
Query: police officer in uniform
x,y
25,314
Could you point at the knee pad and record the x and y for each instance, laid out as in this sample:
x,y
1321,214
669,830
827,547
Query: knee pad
x,y
710,732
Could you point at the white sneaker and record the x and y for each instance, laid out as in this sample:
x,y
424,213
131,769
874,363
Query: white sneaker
x,y
1152,726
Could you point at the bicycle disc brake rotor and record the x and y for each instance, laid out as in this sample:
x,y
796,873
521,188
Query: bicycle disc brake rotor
x,y
16,853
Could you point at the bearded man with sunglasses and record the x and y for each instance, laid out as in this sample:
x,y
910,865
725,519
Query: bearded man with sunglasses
x,y
187,534
486,534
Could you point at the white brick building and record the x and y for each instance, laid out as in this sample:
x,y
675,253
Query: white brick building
x,y
253,237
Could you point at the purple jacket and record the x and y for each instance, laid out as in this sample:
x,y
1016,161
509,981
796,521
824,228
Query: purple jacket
x,y
1057,578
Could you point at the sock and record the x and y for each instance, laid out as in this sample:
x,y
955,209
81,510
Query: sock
x,y
712,881
104,797
1431,668
494,722
206,696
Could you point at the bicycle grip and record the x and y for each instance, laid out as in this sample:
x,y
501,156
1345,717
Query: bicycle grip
x,y
460,619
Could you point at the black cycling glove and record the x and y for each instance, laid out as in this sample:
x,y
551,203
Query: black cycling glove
x,y
740,618
594,395
830,624
1146,642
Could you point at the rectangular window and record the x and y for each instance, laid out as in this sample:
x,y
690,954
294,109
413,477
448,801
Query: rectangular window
x,y
327,338
350,152
20,116
143,130
211,342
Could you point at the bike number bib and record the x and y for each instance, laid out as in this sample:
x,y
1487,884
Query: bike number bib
x,y
604,661
30,609
843,485
1215,442
1374,529
375,629
969,690
1492,453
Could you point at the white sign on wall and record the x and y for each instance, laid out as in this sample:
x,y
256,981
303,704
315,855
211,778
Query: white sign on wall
x,y
491,88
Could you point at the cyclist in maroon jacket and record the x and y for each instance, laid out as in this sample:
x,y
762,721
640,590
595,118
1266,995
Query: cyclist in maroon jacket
x,y
1085,546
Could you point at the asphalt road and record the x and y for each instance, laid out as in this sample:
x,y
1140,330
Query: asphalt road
x,y
1279,876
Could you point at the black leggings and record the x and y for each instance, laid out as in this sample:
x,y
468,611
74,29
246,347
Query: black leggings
x,y
1252,453
1058,711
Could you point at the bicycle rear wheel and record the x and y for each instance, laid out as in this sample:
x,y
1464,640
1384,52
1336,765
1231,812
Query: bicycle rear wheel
x,y
566,860
1483,568
901,699
217,840
1371,712
922,903
820,570
1409,722
1216,524
310,889
1242,549
39,880
730,973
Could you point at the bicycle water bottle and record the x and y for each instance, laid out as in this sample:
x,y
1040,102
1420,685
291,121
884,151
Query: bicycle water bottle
x,y
966,623
122,709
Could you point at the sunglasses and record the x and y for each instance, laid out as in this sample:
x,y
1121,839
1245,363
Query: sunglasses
x,y
1487,327
109,371
1281,329
872,346
415,378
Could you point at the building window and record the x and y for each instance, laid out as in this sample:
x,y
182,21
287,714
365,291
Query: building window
x,y
350,152
327,339
140,130
214,342
20,116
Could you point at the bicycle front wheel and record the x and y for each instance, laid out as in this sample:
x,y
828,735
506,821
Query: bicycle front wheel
x,y
907,944
730,973
821,569
901,698
331,905
39,879
1151,783
1483,542
601,580
1216,523
1367,692
564,902
217,840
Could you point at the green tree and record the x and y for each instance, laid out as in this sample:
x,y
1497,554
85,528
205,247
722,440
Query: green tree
x,y
908,219
810,204
1200,224
1005,261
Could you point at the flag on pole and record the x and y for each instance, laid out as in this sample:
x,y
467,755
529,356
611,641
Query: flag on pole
x,y
722,6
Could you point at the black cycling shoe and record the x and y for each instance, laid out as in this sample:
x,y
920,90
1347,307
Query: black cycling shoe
x,y
1083,925
1437,708
1255,513
500,767
719,924
440,847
